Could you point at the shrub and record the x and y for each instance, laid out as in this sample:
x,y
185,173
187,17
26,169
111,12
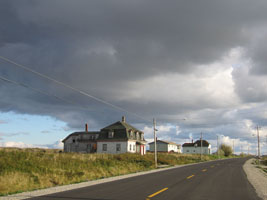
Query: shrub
x,y
226,149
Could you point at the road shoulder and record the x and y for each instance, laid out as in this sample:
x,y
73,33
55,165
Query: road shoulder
x,y
257,178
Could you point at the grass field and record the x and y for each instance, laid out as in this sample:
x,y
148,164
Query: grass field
x,y
31,169
262,164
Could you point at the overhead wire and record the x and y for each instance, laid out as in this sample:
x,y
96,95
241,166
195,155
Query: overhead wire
x,y
87,94
72,88
42,92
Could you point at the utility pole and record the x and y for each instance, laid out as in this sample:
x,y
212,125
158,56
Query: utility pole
x,y
258,134
241,150
233,146
155,143
201,147
217,146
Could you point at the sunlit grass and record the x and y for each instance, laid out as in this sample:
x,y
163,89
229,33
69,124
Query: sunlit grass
x,y
30,169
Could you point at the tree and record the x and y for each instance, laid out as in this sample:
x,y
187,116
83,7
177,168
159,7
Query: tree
x,y
226,149
220,152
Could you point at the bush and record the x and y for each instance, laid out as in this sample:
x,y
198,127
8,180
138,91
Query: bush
x,y
226,149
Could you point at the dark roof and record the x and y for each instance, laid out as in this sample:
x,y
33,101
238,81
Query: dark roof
x,y
121,125
197,143
166,142
81,133
121,129
188,145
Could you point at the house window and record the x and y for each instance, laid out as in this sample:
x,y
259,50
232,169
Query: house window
x,y
118,147
130,147
110,134
142,136
73,140
134,147
105,147
187,150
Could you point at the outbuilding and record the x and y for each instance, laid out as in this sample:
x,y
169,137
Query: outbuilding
x,y
196,147
165,146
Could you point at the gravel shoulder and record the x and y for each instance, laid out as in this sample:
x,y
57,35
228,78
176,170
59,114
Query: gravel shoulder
x,y
257,178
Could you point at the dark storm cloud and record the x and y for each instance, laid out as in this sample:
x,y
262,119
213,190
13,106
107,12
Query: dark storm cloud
x,y
161,37
102,47
12,29
259,57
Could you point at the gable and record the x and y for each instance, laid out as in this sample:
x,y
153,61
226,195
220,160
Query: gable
x,y
116,126
122,130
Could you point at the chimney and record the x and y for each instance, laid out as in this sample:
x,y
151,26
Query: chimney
x,y
86,127
123,119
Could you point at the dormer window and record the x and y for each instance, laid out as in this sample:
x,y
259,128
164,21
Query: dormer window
x,y
131,134
110,134
137,135
142,136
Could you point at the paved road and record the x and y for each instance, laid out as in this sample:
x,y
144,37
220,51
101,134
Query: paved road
x,y
217,180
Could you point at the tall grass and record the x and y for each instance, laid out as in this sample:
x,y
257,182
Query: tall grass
x,y
30,169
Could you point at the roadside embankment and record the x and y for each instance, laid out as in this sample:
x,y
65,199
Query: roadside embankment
x,y
32,169
257,177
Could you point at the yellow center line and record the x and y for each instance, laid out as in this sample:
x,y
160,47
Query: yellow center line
x,y
190,176
204,170
156,193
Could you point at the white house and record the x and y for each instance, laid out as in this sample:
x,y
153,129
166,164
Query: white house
x,y
119,137
165,146
195,147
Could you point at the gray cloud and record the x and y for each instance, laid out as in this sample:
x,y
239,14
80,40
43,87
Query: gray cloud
x,y
164,60
249,86
13,134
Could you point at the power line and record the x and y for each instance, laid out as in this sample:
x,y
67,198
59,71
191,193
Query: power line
x,y
41,92
72,88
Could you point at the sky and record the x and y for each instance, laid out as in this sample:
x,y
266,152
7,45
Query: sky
x,y
193,66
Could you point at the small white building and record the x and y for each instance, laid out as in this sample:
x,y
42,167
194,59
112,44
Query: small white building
x,y
116,138
165,146
195,147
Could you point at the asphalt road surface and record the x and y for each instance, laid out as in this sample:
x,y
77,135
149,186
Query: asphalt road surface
x,y
216,180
